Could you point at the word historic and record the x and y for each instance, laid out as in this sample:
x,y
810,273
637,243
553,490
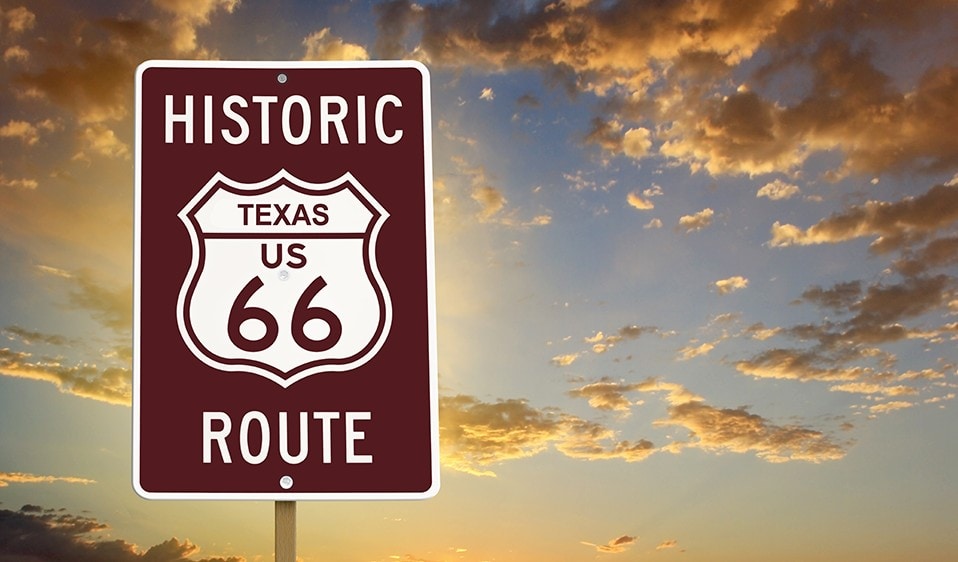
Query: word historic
x,y
295,114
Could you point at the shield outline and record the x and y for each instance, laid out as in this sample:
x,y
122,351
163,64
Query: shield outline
x,y
279,179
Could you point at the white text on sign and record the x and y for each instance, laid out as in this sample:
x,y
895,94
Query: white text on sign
x,y
331,113
256,453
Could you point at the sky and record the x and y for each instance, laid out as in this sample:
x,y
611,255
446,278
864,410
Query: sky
x,y
696,279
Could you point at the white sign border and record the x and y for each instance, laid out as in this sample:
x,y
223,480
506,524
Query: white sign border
x,y
430,276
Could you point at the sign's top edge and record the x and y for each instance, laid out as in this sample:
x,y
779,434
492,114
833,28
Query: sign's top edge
x,y
194,63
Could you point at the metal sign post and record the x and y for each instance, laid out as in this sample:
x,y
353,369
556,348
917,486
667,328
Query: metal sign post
x,y
285,532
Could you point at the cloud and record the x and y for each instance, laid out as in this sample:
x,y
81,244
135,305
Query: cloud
x,y
600,342
874,388
565,360
636,201
86,67
838,297
941,252
760,332
16,53
614,546
800,365
877,312
857,317
91,78
7,478
666,544
777,190
106,384
607,134
852,108
731,284
46,535
476,435
539,220
886,407
28,133
109,382
102,141
579,181
30,337
691,352
637,142
190,15
716,429
697,221
322,45
110,306
608,45
892,224
20,184
607,394
18,20
672,62
490,200
737,430
741,133
592,441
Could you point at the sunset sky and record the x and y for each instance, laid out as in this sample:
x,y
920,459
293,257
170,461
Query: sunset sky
x,y
696,268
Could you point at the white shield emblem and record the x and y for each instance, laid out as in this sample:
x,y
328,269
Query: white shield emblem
x,y
283,281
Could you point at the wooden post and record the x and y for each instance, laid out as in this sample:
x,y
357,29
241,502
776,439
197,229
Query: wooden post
x,y
285,533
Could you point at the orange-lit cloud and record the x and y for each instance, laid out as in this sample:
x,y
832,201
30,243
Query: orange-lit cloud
x,y
187,17
684,55
490,200
716,429
7,478
601,342
607,394
475,435
777,190
28,133
886,407
614,546
109,382
18,20
697,221
636,201
671,543
615,44
731,284
692,351
891,224
565,360
322,45
801,365
737,430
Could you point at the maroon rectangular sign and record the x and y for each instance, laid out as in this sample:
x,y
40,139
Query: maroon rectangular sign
x,y
284,314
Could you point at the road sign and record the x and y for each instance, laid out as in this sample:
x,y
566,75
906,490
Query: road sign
x,y
284,330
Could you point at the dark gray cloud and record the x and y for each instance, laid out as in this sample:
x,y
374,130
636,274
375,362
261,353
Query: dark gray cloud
x,y
34,534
